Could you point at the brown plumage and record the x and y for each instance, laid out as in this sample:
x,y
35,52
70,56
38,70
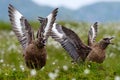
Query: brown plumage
x,y
97,54
98,50
34,50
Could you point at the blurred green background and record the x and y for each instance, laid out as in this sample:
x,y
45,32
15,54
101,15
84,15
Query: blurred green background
x,y
59,66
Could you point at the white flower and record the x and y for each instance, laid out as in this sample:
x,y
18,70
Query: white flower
x,y
56,70
33,72
1,61
86,71
6,74
14,69
52,75
55,62
65,67
73,79
89,66
117,78
22,67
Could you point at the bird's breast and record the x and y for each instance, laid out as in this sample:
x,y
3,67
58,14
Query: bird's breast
x,y
35,57
96,55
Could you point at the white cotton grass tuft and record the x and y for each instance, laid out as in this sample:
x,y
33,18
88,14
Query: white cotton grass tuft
x,y
86,71
117,78
22,67
6,74
56,70
53,75
1,61
33,72
14,69
54,62
89,66
73,79
65,67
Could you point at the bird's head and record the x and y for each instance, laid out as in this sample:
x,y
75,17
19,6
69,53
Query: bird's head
x,y
108,40
105,42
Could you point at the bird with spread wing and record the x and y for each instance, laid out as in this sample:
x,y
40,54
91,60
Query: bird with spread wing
x,y
76,48
97,54
34,50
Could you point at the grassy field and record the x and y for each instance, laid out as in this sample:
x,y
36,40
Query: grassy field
x,y
59,66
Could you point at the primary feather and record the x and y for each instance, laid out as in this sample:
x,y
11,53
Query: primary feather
x,y
66,42
46,27
92,34
20,26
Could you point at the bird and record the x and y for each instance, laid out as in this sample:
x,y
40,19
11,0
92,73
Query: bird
x,y
79,51
34,49
97,54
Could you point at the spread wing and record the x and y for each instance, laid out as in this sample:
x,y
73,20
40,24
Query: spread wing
x,y
92,34
70,42
59,35
46,26
20,26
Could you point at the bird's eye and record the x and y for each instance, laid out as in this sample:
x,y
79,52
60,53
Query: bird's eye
x,y
43,41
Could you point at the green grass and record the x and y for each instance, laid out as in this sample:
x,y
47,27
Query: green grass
x,y
12,66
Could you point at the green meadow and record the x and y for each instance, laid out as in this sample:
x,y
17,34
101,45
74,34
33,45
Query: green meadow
x,y
59,66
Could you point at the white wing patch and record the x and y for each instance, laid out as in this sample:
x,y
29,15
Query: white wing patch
x,y
22,31
60,35
46,26
93,33
17,17
49,17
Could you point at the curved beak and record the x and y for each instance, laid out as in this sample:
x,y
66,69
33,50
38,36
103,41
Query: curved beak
x,y
111,39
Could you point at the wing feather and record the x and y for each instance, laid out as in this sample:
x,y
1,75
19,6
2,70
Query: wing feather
x,y
58,34
70,42
92,34
20,26
46,26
